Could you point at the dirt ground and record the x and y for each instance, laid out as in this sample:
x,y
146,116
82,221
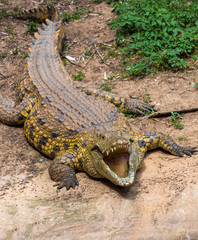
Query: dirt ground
x,y
163,201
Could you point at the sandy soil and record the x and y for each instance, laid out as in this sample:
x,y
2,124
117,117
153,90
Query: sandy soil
x,y
163,201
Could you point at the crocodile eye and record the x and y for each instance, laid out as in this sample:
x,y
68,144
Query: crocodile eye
x,y
102,136
131,140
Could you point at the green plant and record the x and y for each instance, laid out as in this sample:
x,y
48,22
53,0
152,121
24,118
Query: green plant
x,y
103,47
146,97
155,35
79,76
12,37
112,53
3,55
16,10
108,84
175,118
9,30
31,26
97,1
3,13
66,16
64,61
182,138
87,53
130,115
15,50
52,3
196,85
75,15
24,55
4,1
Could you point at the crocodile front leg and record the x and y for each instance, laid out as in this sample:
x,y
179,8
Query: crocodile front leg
x,y
126,105
12,114
63,170
152,140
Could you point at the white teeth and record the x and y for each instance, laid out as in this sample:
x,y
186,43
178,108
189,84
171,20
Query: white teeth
x,y
107,153
114,148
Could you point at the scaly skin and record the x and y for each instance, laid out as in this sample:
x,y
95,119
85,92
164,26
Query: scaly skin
x,y
77,126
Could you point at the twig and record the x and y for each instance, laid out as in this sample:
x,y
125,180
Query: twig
x,y
74,63
104,60
168,113
89,58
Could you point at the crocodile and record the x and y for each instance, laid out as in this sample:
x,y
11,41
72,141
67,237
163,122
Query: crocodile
x,y
79,127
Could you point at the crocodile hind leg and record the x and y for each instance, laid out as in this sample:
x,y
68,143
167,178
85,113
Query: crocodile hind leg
x,y
152,140
126,105
63,170
12,114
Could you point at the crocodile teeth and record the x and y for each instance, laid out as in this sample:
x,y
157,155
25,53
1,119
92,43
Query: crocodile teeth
x,y
114,148
107,153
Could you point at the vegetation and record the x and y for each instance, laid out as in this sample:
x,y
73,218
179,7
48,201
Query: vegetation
x,y
108,84
3,55
12,37
146,97
196,85
175,118
52,3
79,76
182,138
87,53
75,15
155,35
15,50
24,55
112,53
3,13
31,26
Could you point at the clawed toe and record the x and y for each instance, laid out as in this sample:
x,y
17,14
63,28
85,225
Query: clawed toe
x,y
189,151
67,183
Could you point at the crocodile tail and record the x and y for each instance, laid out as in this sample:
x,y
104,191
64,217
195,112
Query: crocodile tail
x,y
40,14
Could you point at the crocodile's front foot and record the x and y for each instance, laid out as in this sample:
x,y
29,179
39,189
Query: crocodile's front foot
x,y
186,150
68,181
136,106
62,171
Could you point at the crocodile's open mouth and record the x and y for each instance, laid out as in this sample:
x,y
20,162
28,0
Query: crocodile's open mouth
x,y
115,159
118,161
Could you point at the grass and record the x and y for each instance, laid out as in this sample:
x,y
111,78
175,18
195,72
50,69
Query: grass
x,y
9,30
3,13
3,55
175,118
52,3
15,50
112,53
155,35
108,84
31,26
24,55
12,37
79,76
87,53
182,138
196,85
146,97
75,15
